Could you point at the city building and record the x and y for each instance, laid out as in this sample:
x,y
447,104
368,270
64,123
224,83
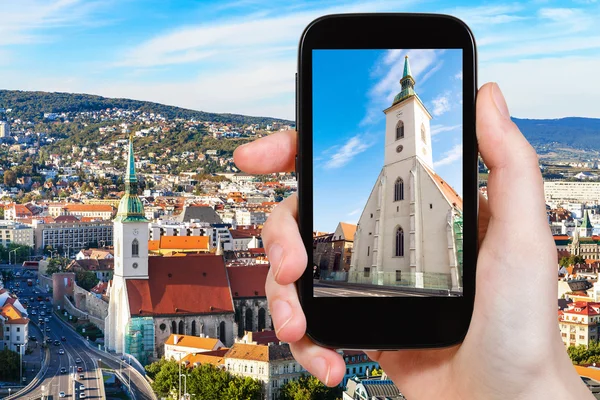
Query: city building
x,y
559,193
358,365
332,253
579,323
4,129
17,211
13,232
249,297
179,346
102,268
71,236
216,232
152,297
95,254
246,217
372,388
14,322
272,364
99,211
168,245
410,231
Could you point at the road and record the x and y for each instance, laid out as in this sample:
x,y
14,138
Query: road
x,y
75,347
333,290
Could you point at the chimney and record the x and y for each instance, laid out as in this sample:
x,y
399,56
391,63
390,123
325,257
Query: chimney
x,y
175,339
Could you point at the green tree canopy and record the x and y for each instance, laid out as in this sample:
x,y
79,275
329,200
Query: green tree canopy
x,y
86,279
309,388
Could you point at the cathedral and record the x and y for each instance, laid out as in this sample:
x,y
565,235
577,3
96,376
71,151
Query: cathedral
x,y
152,297
410,231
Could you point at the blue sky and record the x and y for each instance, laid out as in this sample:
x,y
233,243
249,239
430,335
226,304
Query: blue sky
x,y
239,56
351,88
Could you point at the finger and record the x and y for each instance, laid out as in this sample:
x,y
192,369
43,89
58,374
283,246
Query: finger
x,y
325,364
514,181
287,314
283,243
483,218
273,153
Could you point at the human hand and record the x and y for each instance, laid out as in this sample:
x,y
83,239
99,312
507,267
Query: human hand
x,y
513,348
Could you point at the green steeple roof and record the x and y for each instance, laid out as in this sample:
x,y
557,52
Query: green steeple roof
x,y
131,208
407,83
586,221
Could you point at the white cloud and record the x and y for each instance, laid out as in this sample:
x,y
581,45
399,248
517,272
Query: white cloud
x,y
348,151
435,129
354,212
459,75
488,15
450,156
441,105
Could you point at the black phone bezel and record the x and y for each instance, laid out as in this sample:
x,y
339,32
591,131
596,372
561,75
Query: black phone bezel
x,y
387,323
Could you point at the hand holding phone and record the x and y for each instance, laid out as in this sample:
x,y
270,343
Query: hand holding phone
x,y
512,348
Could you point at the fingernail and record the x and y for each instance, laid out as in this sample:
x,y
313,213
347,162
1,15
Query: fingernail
x,y
320,369
282,314
276,258
500,101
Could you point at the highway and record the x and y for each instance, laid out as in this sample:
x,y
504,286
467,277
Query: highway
x,y
61,374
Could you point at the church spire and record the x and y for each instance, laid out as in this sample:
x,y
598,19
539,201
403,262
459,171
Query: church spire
x,y
407,83
131,208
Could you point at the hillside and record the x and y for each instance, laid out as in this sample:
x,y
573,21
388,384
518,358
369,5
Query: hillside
x,y
572,132
31,106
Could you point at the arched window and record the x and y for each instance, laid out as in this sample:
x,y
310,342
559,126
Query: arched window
x,y
222,332
194,328
399,190
181,332
248,323
423,134
399,242
173,327
135,248
262,319
399,130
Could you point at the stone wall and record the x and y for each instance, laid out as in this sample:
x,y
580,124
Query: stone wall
x,y
71,309
90,303
62,284
45,282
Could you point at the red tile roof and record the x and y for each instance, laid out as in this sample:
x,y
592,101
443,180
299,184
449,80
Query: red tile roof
x,y
263,338
449,193
248,281
196,284
583,308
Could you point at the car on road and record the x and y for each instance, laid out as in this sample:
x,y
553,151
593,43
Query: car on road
x,y
81,376
33,338
61,352
49,340
48,329
46,319
63,370
61,394
82,395
56,343
81,387
64,339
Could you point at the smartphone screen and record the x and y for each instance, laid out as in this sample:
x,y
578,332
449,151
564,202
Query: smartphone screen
x,y
387,172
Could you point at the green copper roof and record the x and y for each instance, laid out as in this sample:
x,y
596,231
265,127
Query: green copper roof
x,y
406,68
586,221
131,208
407,83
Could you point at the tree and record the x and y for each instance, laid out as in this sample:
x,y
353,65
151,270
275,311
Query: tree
x,y
86,279
583,354
308,388
9,365
56,265
10,178
167,378
242,389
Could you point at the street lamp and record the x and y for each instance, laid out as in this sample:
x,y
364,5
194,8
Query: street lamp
x,y
184,376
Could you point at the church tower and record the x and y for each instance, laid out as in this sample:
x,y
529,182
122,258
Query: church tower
x,y
586,228
131,228
408,131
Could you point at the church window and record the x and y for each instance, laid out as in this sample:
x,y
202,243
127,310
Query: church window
x,y
262,318
423,133
193,328
399,130
162,327
399,190
367,272
222,331
248,323
399,242
181,330
135,248
431,206
368,251
173,327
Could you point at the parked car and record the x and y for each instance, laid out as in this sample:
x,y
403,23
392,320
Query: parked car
x,y
81,376
61,394
82,395
81,387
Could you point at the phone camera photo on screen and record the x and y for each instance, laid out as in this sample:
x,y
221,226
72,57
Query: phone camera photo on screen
x,y
387,172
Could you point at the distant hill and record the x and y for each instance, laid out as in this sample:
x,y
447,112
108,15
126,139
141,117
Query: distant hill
x,y
31,106
573,132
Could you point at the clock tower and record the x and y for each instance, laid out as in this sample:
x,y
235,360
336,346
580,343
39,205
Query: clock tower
x,y
131,228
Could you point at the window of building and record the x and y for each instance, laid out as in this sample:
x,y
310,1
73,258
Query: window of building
x,y
423,133
399,190
367,272
18,338
135,248
18,329
399,130
399,242
398,275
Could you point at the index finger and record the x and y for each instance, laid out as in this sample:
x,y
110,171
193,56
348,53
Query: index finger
x,y
274,153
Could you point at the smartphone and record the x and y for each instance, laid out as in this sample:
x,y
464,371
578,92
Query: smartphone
x,y
388,181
